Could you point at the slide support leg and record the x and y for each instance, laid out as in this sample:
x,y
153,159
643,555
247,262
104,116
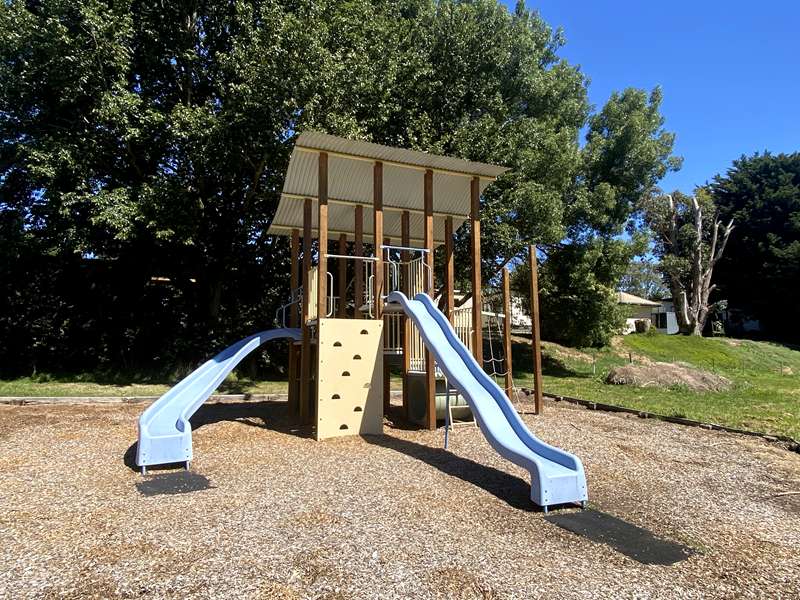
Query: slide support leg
x,y
447,423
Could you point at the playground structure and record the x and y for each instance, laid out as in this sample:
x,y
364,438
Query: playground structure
x,y
370,305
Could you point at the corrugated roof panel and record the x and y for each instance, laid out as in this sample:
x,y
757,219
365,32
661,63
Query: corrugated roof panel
x,y
451,195
350,179
301,176
403,188
341,219
369,150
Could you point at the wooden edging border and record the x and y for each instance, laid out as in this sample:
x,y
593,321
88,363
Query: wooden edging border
x,y
784,440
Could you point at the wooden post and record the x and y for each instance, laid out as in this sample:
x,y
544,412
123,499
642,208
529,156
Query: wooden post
x,y
430,366
405,241
387,241
507,332
359,264
377,236
535,331
322,224
449,269
342,308
305,352
294,277
475,250
294,283
387,379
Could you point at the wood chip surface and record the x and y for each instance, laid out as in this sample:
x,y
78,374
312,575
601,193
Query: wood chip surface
x,y
395,516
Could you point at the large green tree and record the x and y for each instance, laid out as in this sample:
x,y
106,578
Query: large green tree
x,y
760,272
142,141
627,151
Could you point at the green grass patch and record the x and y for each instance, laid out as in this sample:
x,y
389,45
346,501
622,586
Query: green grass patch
x,y
765,395
122,384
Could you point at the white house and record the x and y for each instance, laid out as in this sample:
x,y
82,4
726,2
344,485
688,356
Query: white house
x,y
664,317
520,317
660,314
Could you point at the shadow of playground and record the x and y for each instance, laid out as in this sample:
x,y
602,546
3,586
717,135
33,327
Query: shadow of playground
x,y
594,525
508,488
272,415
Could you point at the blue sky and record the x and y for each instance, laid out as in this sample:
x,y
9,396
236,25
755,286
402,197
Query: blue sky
x,y
730,70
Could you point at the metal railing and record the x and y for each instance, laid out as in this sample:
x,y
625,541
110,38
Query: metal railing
x,y
409,276
333,301
393,333
367,277
462,323
296,301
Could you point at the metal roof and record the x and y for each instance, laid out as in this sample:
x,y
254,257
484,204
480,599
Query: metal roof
x,y
350,164
626,298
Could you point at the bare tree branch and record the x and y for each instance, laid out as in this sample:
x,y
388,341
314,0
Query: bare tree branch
x,y
691,294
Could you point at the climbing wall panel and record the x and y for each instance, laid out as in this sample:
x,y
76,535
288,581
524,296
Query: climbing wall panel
x,y
350,368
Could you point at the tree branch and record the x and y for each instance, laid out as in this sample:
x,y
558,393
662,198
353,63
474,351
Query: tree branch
x,y
498,268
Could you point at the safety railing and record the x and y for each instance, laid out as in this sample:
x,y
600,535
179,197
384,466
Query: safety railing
x,y
367,277
294,304
462,323
393,333
410,276
408,272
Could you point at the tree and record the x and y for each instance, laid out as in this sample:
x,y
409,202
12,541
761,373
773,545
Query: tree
x,y
759,272
642,278
627,152
578,306
151,138
689,241
143,140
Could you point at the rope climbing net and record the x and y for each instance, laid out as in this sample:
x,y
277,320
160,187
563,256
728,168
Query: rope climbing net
x,y
496,364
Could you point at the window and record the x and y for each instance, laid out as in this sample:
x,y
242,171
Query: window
x,y
660,320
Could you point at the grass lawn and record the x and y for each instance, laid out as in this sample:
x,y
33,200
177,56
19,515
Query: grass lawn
x,y
766,379
122,385
765,395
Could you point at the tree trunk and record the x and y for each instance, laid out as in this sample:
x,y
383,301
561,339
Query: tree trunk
x,y
212,294
691,297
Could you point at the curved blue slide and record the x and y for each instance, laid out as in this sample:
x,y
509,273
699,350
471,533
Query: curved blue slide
x,y
165,434
557,477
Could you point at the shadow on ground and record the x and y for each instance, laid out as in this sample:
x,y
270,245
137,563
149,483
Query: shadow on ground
x,y
506,487
170,484
268,415
632,541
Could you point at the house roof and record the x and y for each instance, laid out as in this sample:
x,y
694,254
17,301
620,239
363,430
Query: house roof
x,y
626,298
350,177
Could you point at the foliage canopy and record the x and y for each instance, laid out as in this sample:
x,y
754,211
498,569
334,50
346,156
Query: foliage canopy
x,y
142,148
759,273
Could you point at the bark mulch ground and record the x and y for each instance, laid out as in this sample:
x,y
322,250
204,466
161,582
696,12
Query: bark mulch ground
x,y
268,513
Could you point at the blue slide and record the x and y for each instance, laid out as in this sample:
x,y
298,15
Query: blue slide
x,y
557,476
165,434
